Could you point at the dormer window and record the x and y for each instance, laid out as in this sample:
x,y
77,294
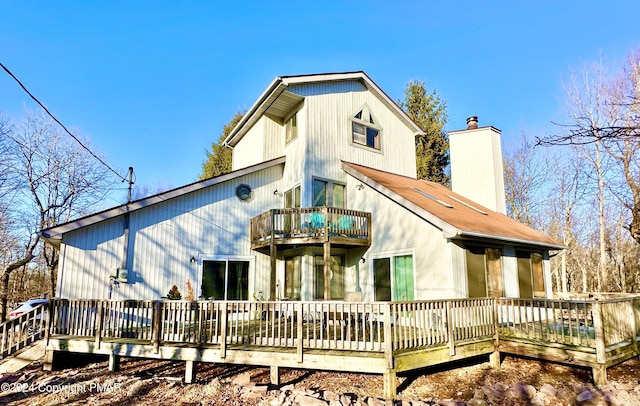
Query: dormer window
x,y
365,129
292,128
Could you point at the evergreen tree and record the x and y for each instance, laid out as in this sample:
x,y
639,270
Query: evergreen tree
x,y
429,112
218,160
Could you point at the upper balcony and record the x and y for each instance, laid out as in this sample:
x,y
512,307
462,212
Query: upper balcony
x,y
311,225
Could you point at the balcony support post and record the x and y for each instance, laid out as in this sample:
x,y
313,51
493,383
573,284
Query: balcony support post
x,y
272,277
327,270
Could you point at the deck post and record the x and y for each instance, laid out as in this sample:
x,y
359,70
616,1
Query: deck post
x,y
157,326
598,327
450,328
99,323
223,330
388,339
275,375
633,327
114,362
189,371
599,372
48,324
272,257
390,383
272,277
300,341
494,357
47,362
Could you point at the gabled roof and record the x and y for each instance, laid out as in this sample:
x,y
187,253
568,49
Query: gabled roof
x,y
277,102
457,216
54,234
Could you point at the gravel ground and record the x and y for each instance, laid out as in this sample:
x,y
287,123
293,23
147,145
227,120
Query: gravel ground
x,y
150,382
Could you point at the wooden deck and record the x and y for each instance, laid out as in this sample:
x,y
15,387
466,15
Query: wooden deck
x,y
381,337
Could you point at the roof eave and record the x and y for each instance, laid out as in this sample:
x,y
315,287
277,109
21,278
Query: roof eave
x,y
281,83
248,119
515,240
55,233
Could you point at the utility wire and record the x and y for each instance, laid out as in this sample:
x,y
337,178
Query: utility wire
x,y
61,125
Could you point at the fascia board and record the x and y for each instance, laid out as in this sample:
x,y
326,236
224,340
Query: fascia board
x,y
254,113
518,241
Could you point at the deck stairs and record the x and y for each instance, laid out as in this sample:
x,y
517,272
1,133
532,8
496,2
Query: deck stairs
x,y
21,339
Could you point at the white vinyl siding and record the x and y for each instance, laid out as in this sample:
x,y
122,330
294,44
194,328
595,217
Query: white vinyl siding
x,y
164,237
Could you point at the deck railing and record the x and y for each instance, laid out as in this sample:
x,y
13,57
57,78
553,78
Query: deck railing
x,y
309,223
591,323
596,326
23,330
547,320
330,325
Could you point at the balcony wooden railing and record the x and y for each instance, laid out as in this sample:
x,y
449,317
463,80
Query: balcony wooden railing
x,y
312,224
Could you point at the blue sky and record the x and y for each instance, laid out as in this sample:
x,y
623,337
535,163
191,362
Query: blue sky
x,y
151,84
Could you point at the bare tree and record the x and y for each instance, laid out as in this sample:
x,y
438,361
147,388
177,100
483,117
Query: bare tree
x,y
606,118
525,174
53,180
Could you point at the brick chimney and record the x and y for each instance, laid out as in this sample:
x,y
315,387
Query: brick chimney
x,y
476,165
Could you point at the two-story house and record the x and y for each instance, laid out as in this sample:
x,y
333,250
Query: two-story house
x,y
322,203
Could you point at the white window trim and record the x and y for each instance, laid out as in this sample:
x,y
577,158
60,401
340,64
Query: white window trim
x,y
391,254
329,191
227,258
376,126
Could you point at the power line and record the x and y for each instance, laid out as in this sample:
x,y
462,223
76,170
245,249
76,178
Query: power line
x,y
61,125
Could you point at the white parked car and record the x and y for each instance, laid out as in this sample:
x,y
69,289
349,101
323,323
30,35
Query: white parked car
x,y
31,325
26,306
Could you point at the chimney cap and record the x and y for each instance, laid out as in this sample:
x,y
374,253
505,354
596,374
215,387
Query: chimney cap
x,y
472,122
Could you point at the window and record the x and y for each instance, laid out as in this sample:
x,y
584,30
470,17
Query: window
x,y
393,278
530,274
364,129
292,128
328,193
292,278
292,198
484,272
225,280
336,288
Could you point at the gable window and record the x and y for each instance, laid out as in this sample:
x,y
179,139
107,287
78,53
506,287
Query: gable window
x,y
530,274
365,129
393,278
328,193
484,273
292,128
225,280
